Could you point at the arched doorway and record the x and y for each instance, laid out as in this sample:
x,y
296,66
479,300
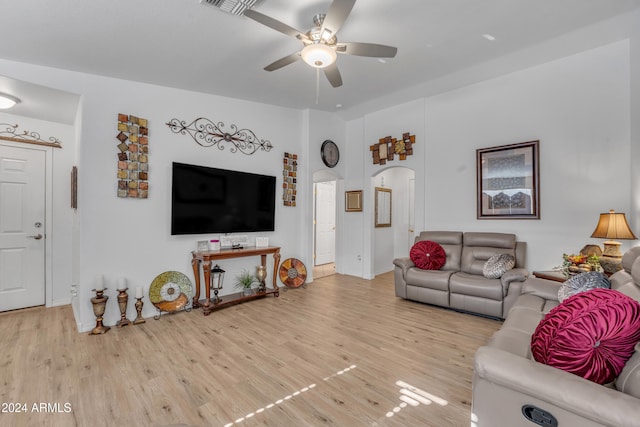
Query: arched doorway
x,y
393,240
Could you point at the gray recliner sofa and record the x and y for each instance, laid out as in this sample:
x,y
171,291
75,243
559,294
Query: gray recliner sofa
x,y
510,388
460,283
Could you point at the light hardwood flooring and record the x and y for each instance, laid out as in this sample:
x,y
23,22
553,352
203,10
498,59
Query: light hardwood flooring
x,y
330,354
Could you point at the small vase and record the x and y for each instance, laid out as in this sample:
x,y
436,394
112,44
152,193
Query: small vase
x,y
247,291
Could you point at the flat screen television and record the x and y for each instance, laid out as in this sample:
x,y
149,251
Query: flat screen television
x,y
209,200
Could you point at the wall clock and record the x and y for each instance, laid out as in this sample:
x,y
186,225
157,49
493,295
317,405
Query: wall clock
x,y
330,153
170,291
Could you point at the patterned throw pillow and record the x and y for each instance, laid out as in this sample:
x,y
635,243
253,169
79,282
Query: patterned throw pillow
x,y
583,282
591,334
428,255
497,265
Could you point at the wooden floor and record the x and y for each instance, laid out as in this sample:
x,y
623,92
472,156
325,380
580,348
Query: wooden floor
x,y
336,353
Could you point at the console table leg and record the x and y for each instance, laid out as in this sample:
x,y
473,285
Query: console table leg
x,y
195,263
276,264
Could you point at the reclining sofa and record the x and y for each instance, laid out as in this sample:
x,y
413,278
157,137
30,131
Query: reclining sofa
x,y
511,389
460,284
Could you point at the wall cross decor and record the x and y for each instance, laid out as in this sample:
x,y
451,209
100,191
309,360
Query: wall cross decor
x,y
208,134
387,148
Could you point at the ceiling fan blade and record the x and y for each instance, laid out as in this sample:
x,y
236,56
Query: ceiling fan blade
x,y
367,49
336,15
333,75
274,24
289,59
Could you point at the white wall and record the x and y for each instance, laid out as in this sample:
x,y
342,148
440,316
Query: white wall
x,y
578,107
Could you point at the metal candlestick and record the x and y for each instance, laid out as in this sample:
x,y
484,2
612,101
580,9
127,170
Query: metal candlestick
x,y
123,298
99,303
139,319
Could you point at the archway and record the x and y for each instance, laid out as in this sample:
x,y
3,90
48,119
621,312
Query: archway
x,y
393,240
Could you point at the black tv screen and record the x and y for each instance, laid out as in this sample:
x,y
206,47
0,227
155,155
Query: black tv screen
x,y
209,200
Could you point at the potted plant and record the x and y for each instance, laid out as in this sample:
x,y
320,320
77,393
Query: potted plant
x,y
245,280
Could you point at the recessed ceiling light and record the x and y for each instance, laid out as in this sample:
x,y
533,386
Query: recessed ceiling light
x,y
8,101
489,37
382,60
338,105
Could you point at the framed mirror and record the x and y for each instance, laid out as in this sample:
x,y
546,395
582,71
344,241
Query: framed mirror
x,y
383,207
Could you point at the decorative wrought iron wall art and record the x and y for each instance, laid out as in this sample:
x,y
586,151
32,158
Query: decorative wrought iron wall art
x,y
206,133
387,148
9,132
133,158
289,172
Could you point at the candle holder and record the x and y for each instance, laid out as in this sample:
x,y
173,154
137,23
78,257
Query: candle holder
x,y
139,319
123,298
99,303
261,274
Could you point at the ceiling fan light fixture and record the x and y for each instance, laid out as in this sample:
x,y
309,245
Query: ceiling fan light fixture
x,y
318,55
8,101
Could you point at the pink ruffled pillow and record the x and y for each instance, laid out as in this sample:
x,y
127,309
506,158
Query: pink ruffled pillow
x,y
591,334
428,255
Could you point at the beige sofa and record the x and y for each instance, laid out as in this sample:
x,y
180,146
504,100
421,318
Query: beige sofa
x,y
460,284
507,382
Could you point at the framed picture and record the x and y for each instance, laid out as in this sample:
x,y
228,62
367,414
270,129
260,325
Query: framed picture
x,y
508,184
353,201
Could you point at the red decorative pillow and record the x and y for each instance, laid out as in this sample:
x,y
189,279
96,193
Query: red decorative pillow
x,y
428,255
591,334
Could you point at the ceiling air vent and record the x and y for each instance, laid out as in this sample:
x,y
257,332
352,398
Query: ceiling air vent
x,y
234,7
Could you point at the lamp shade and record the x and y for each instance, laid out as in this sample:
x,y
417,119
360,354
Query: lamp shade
x,y
613,225
318,55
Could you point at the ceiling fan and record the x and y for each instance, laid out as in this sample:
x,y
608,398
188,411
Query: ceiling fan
x,y
320,43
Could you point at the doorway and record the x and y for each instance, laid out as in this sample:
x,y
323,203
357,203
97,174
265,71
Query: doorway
x,y
324,228
22,227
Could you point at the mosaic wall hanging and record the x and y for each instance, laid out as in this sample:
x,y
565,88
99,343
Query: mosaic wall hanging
x,y
133,160
289,175
10,133
209,134
387,148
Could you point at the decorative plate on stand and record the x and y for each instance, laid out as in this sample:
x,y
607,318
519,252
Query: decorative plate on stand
x,y
293,273
170,291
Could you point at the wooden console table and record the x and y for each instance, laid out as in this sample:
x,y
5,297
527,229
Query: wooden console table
x,y
206,257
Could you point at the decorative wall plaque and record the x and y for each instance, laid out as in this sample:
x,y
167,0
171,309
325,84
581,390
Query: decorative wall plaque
x,y
387,148
289,175
209,134
133,157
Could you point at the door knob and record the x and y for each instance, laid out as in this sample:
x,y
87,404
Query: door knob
x,y
37,236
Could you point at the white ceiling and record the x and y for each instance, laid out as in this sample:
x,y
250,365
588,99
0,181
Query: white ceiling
x,y
188,45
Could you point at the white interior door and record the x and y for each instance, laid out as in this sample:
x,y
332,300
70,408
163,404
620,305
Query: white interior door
x,y
325,222
22,228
